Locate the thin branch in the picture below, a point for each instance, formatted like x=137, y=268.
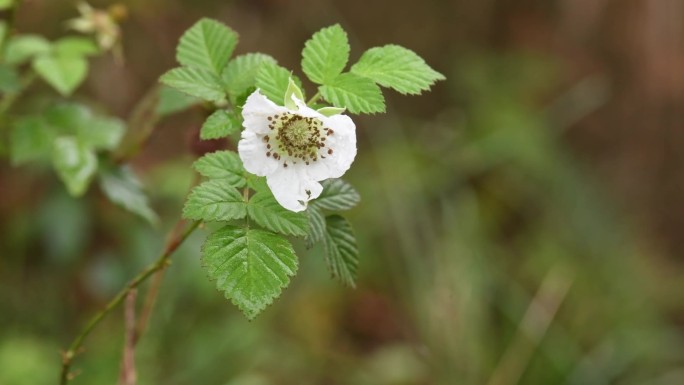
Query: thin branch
x=159, y=264
x=128, y=375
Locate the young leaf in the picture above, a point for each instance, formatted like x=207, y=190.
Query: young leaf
x=250, y=266
x=75, y=164
x=222, y=165
x=292, y=90
x=171, y=101
x=397, y=68
x=337, y=195
x=219, y=125
x=341, y=252
x=30, y=139
x=215, y=200
x=355, y=93
x=22, y=48
x=76, y=46
x=207, y=45
x=267, y=212
x=63, y=73
x=195, y=82
x=325, y=54
x=240, y=74
x=273, y=80
x=316, y=231
x=123, y=189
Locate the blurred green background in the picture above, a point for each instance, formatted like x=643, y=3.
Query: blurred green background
x=521, y=224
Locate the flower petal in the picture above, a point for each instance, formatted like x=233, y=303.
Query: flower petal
x=256, y=111
x=293, y=188
x=252, y=151
x=339, y=152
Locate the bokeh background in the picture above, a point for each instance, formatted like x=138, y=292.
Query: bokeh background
x=520, y=224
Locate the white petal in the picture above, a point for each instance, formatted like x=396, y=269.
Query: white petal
x=252, y=151
x=256, y=111
x=343, y=144
x=290, y=186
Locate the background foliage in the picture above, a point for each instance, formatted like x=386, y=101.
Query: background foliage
x=521, y=224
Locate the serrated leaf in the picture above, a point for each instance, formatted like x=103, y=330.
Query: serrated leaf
x=222, y=165
x=30, y=139
x=337, y=195
x=341, y=252
x=171, y=101
x=316, y=231
x=215, y=200
x=251, y=267
x=257, y=183
x=195, y=82
x=219, y=125
x=355, y=93
x=75, y=164
x=123, y=188
x=398, y=68
x=240, y=73
x=325, y=54
x=207, y=45
x=76, y=46
x=273, y=80
x=23, y=48
x=268, y=213
x=63, y=73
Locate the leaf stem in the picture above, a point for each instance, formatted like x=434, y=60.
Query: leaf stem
x=314, y=98
x=160, y=263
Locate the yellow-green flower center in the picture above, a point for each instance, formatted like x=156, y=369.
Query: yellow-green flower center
x=296, y=138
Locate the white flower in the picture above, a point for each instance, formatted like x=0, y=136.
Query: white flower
x=294, y=148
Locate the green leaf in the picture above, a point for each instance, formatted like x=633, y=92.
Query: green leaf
x=331, y=111
x=5, y=4
x=63, y=73
x=123, y=189
x=30, y=139
x=171, y=101
x=207, y=45
x=215, y=200
x=250, y=266
x=355, y=93
x=195, y=82
x=337, y=195
x=219, y=125
x=240, y=74
x=398, y=68
x=75, y=164
x=316, y=231
x=9, y=80
x=268, y=213
x=98, y=132
x=325, y=54
x=76, y=46
x=341, y=252
x=273, y=80
x=222, y=165
x=292, y=89
x=23, y=48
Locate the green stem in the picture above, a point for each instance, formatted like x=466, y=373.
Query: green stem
x=159, y=264
x=314, y=98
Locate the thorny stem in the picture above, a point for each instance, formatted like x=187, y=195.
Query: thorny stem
x=159, y=264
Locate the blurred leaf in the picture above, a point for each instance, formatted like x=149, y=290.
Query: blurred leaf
x=3, y=34
x=75, y=46
x=63, y=73
x=172, y=101
x=218, y=125
x=273, y=80
x=355, y=93
x=207, y=45
x=215, y=200
x=397, y=68
x=5, y=4
x=240, y=74
x=30, y=139
x=64, y=239
x=268, y=213
x=98, y=132
x=341, y=252
x=195, y=82
x=250, y=266
x=22, y=48
x=9, y=80
x=122, y=187
x=325, y=54
x=75, y=163
x=18, y=357
x=337, y=195
x=222, y=165
x=316, y=228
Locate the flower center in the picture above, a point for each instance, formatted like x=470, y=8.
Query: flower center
x=297, y=132
x=296, y=138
